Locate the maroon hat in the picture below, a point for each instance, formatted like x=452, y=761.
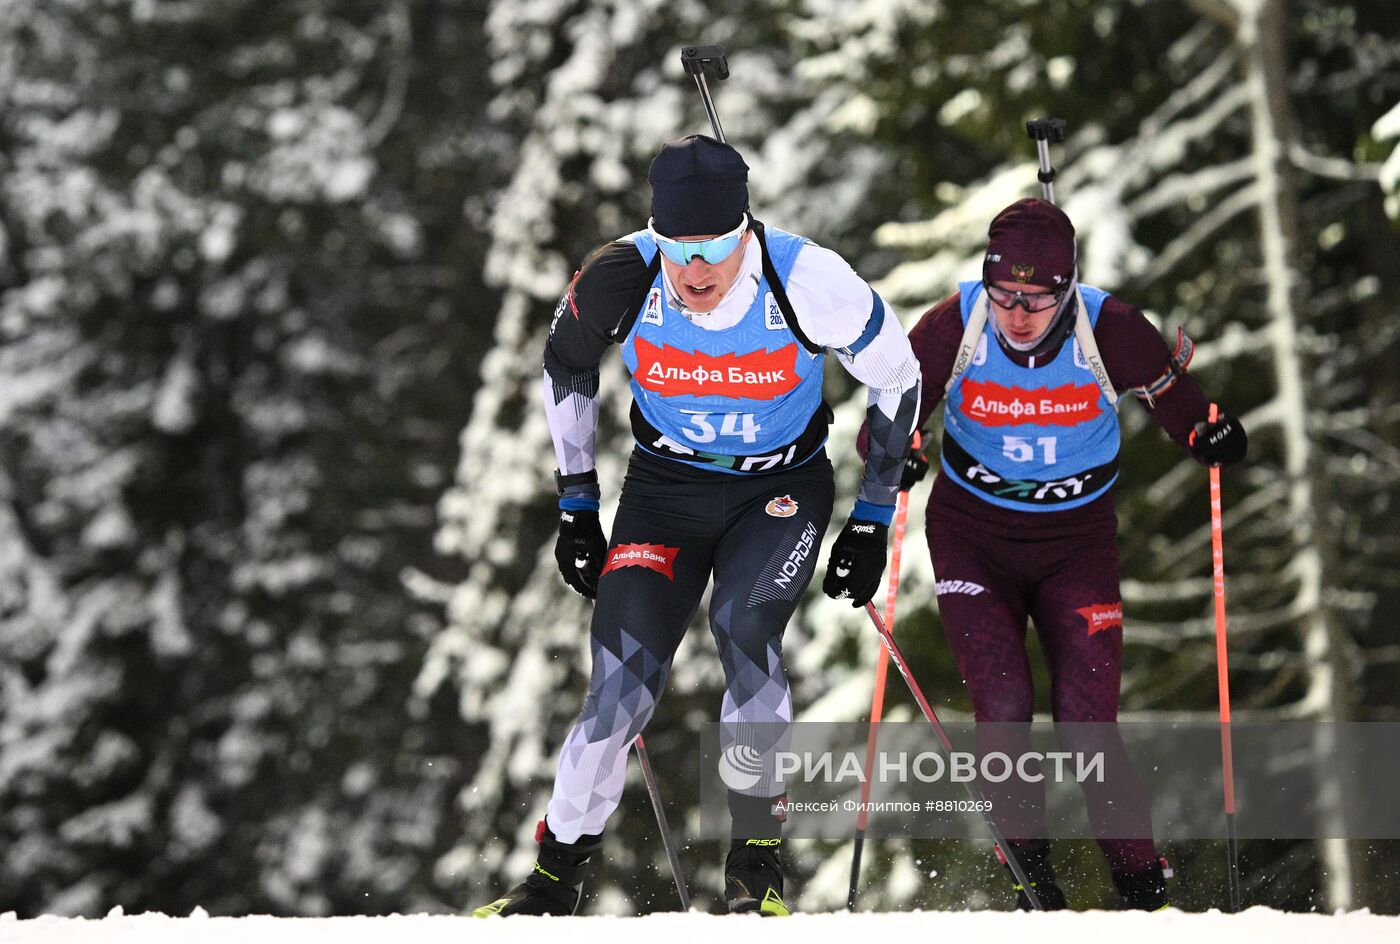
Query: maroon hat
x=1031, y=241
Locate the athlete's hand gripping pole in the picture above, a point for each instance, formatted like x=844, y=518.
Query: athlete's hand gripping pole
x=655, y=793
x=1222, y=667
x=701, y=61
x=877, y=699
x=973, y=791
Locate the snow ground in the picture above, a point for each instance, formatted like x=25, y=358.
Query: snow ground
x=964, y=927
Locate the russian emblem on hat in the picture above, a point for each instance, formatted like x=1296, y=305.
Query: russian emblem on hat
x=1030, y=241
x=784, y=507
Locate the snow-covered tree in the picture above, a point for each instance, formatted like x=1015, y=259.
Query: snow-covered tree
x=232, y=359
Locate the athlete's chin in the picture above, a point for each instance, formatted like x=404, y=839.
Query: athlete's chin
x=703, y=301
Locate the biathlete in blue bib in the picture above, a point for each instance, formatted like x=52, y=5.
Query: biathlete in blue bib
x=724, y=326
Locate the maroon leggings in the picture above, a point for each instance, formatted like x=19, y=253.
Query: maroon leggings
x=995, y=568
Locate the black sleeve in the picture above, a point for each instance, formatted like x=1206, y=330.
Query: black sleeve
x=594, y=302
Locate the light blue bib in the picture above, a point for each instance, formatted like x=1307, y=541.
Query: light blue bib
x=741, y=392
x=1033, y=439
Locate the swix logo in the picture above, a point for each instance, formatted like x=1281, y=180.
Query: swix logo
x=1101, y=616
x=651, y=556
x=944, y=587
x=761, y=375
x=992, y=404
x=862, y=529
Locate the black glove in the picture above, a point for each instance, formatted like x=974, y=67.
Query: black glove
x=580, y=550
x=1220, y=443
x=857, y=562
x=915, y=468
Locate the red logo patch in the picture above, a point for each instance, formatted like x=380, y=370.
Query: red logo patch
x=651, y=556
x=992, y=404
x=762, y=375
x=1101, y=616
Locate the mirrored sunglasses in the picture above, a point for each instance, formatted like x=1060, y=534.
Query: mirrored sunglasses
x=713, y=251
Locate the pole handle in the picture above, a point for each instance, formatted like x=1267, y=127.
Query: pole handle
x=1044, y=131
x=706, y=60
x=703, y=61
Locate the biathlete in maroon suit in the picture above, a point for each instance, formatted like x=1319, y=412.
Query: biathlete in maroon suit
x=1021, y=522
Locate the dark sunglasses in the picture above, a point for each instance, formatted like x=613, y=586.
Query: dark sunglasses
x=1031, y=301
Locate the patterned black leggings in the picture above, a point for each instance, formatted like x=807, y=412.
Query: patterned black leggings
x=759, y=536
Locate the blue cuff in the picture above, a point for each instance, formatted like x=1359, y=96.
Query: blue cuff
x=869, y=511
x=872, y=327
x=578, y=503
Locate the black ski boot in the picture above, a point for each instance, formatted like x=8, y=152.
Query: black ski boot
x=1145, y=890
x=553, y=888
x=753, y=877
x=1034, y=857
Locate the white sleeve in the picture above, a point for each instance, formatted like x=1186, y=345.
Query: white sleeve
x=832, y=303
x=839, y=311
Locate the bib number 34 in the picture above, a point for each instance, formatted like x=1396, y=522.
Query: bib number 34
x=702, y=430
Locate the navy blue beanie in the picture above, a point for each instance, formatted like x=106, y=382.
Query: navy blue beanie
x=699, y=187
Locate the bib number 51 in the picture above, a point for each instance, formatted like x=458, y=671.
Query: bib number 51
x=1019, y=448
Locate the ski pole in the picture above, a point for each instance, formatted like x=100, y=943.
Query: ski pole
x=701, y=61
x=973, y=792
x=877, y=699
x=652, y=791
x=1222, y=666
x=1043, y=131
